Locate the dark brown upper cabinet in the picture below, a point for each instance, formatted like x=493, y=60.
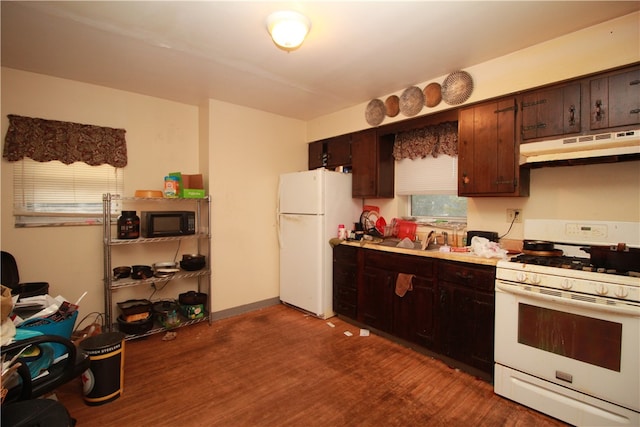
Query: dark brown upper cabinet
x=330, y=153
x=615, y=99
x=372, y=164
x=488, y=151
x=551, y=112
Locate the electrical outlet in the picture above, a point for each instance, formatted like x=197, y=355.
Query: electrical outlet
x=514, y=213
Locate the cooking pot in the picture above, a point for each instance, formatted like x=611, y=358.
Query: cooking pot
x=142, y=272
x=619, y=258
x=192, y=262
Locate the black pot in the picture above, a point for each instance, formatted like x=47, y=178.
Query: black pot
x=537, y=245
x=135, y=328
x=619, y=258
x=142, y=272
x=192, y=298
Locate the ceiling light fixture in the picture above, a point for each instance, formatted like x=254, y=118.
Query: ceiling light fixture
x=288, y=29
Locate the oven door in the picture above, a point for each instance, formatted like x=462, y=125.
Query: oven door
x=587, y=347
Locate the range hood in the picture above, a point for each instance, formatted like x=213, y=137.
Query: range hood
x=588, y=148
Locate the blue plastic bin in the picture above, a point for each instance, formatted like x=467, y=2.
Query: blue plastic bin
x=47, y=326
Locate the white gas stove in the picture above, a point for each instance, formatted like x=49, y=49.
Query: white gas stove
x=567, y=336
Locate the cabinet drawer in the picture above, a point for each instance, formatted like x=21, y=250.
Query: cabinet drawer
x=409, y=264
x=473, y=276
x=345, y=254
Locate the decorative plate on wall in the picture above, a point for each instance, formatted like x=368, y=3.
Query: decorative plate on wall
x=392, y=105
x=411, y=101
x=375, y=111
x=432, y=95
x=457, y=87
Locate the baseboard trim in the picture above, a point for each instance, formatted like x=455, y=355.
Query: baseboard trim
x=242, y=309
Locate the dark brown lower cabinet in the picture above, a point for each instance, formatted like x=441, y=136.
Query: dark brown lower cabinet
x=449, y=311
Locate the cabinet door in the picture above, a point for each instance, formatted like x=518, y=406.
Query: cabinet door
x=487, y=163
x=338, y=151
x=615, y=100
x=551, y=112
x=481, y=332
x=414, y=314
x=372, y=165
x=345, y=271
x=377, y=298
x=316, y=155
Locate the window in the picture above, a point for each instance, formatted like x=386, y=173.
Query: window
x=431, y=184
x=438, y=206
x=52, y=193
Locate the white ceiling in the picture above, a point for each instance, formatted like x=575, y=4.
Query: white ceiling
x=356, y=51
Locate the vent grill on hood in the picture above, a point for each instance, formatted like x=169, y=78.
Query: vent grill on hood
x=603, y=145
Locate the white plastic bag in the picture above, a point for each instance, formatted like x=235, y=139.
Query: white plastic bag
x=486, y=248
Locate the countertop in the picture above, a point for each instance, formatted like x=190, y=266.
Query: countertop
x=432, y=253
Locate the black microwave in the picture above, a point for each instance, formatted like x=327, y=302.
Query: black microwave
x=167, y=223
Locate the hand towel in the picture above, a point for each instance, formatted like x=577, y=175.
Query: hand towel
x=404, y=284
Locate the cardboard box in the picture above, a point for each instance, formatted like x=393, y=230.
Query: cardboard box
x=191, y=186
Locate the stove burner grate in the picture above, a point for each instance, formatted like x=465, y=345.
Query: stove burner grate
x=566, y=262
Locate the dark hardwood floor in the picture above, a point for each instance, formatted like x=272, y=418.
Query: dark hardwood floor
x=280, y=367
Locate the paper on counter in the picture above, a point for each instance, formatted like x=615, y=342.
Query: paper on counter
x=364, y=332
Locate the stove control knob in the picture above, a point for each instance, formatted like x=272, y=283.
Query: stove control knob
x=621, y=292
x=521, y=276
x=566, y=284
x=601, y=289
x=535, y=279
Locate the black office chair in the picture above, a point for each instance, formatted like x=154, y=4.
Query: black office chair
x=11, y=279
x=21, y=406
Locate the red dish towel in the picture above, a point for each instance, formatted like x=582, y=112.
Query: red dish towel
x=404, y=284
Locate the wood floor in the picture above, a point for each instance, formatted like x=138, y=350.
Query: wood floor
x=280, y=367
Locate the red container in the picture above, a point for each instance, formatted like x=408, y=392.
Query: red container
x=406, y=229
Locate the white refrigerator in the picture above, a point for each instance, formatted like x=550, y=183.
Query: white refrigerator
x=311, y=205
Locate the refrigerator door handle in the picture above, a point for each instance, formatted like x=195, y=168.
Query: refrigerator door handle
x=278, y=214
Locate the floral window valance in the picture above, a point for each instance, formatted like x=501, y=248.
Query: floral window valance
x=427, y=141
x=46, y=140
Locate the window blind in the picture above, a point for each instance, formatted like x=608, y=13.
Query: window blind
x=57, y=191
x=429, y=175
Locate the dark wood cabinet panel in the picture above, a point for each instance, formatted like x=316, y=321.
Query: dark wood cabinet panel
x=330, y=153
x=450, y=309
x=551, y=112
x=414, y=314
x=372, y=165
x=316, y=155
x=345, y=280
x=377, y=299
x=487, y=151
x=338, y=151
x=615, y=100
x=466, y=313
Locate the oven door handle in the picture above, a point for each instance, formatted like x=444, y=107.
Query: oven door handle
x=617, y=309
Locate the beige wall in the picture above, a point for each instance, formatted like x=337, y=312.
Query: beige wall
x=162, y=136
x=585, y=192
x=248, y=150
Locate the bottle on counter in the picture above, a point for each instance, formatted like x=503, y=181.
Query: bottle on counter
x=342, y=232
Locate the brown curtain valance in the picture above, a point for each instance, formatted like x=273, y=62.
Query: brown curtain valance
x=427, y=141
x=46, y=140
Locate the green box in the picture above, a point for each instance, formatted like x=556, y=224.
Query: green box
x=192, y=193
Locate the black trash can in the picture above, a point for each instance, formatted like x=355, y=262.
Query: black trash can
x=103, y=381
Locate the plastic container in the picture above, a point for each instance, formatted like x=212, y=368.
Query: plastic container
x=406, y=229
x=342, y=232
x=104, y=380
x=128, y=225
x=47, y=326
